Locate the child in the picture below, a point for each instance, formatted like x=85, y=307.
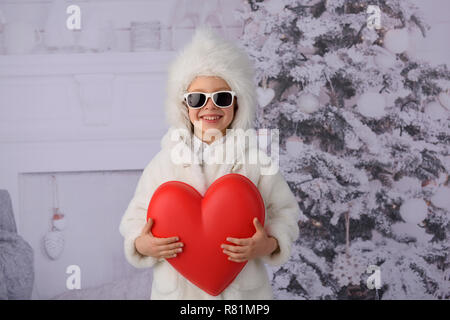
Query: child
x=198, y=128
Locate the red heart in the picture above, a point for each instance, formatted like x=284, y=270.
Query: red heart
x=203, y=223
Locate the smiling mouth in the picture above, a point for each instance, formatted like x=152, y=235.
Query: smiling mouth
x=211, y=118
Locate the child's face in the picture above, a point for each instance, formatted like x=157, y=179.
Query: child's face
x=209, y=84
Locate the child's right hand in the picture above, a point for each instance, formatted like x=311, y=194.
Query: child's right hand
x=148, y=245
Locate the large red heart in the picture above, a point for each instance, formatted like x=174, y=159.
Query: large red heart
x=203, y=223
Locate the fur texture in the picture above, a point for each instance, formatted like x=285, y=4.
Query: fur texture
x=209, y=54
x=282, y=215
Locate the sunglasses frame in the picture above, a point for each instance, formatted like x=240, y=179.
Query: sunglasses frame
x=210, y=95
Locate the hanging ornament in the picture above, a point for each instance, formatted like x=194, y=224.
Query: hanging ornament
x=441, y=198
x=396, y=40
x=58, y=220
x=435, y=111
x=54, y=244
x=265, y=95
x=444, y=99
x=348, y=269
x=371, y=104
x=408, y=230
x=308, y=103
x=408, y=184
x=294, y=146
x=54, y=239
x=414, y=210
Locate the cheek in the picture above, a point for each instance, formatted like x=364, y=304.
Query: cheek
x=193, y=114
x=229, y=115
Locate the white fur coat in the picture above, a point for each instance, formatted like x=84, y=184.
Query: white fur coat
x=209, y=54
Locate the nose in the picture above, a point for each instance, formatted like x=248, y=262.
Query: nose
x=210, y=103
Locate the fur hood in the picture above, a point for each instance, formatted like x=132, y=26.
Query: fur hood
x=210, y=54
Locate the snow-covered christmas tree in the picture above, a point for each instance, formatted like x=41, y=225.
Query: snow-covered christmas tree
x=364, y=133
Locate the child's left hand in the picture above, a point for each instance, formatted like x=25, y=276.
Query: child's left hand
x=260, y=244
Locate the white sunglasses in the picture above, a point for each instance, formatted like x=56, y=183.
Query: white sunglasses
x=222, y=99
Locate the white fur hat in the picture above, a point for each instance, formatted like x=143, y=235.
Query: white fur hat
x=210, y=54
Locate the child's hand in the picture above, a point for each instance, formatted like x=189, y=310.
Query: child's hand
x=260, y=244
x=148, y=245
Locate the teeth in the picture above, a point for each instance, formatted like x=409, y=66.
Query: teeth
x=212, y=118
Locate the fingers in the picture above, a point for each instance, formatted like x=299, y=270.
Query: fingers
x=167, y=248
x=147, y=227
x=236, y=257
x=170, y=253
x=235, y=253
x=237, y=260
x=163, y=241
x=258, y=225
x=238, y=253
x=242, y=242
x=171, y=246
x=233, y=248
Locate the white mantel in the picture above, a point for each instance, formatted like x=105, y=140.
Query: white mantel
x=79, y=63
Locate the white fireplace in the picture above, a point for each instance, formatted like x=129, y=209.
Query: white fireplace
x=93, y=203
x=92, y=121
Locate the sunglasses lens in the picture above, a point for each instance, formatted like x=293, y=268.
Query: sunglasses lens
x=196, y=100
x=223, y=99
